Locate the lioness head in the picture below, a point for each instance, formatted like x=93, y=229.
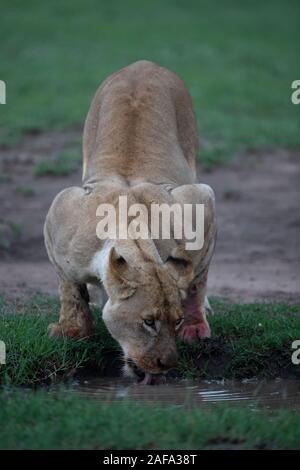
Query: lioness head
x=144, y=310
x=146, y=284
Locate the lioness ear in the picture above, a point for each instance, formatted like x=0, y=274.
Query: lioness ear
x=194, y=194
x=199, y=194
x=118, y=282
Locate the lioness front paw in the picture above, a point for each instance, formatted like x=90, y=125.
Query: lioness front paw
x=194, y=332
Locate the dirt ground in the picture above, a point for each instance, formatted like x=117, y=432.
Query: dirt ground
x=257, y=255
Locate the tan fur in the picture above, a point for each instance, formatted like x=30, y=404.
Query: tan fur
x=140, y=140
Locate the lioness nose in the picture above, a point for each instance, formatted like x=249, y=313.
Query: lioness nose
x=168, y=361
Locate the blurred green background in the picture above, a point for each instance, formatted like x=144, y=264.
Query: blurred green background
x=238, y=59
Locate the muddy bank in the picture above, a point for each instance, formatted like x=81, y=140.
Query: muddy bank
x=257, y=202
x=257, y=255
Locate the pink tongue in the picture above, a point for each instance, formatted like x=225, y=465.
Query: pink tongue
x=151, y=379
x=147, y=379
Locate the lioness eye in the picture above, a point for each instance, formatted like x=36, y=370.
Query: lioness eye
x=150, y=322
x=179, y=321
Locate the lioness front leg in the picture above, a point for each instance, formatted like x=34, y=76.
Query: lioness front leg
x=195, y=324
x=195, y=305
x=75, y=318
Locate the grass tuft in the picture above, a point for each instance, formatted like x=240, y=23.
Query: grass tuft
x=62, y=165
x=34, y=358
x=25, y=191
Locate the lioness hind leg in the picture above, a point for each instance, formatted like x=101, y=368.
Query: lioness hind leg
x=195, y=306
x=75, y=318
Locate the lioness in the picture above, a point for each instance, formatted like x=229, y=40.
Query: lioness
x=140, y=140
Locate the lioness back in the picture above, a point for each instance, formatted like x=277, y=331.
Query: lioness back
x=141, y=124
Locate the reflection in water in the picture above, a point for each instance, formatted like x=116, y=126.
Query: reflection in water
x=268, y=394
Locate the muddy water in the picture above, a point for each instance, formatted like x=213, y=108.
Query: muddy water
x=267, y=394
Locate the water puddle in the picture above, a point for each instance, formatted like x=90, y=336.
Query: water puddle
x=253, y=393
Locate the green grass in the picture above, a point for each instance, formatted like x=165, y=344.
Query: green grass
x=16, y=228
x=237, y=58
x=34, y=358
x=25, y=191
x=9, y=231
x=5, y=177
x=62, y=165
x=248, y=340
x=42, y=421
